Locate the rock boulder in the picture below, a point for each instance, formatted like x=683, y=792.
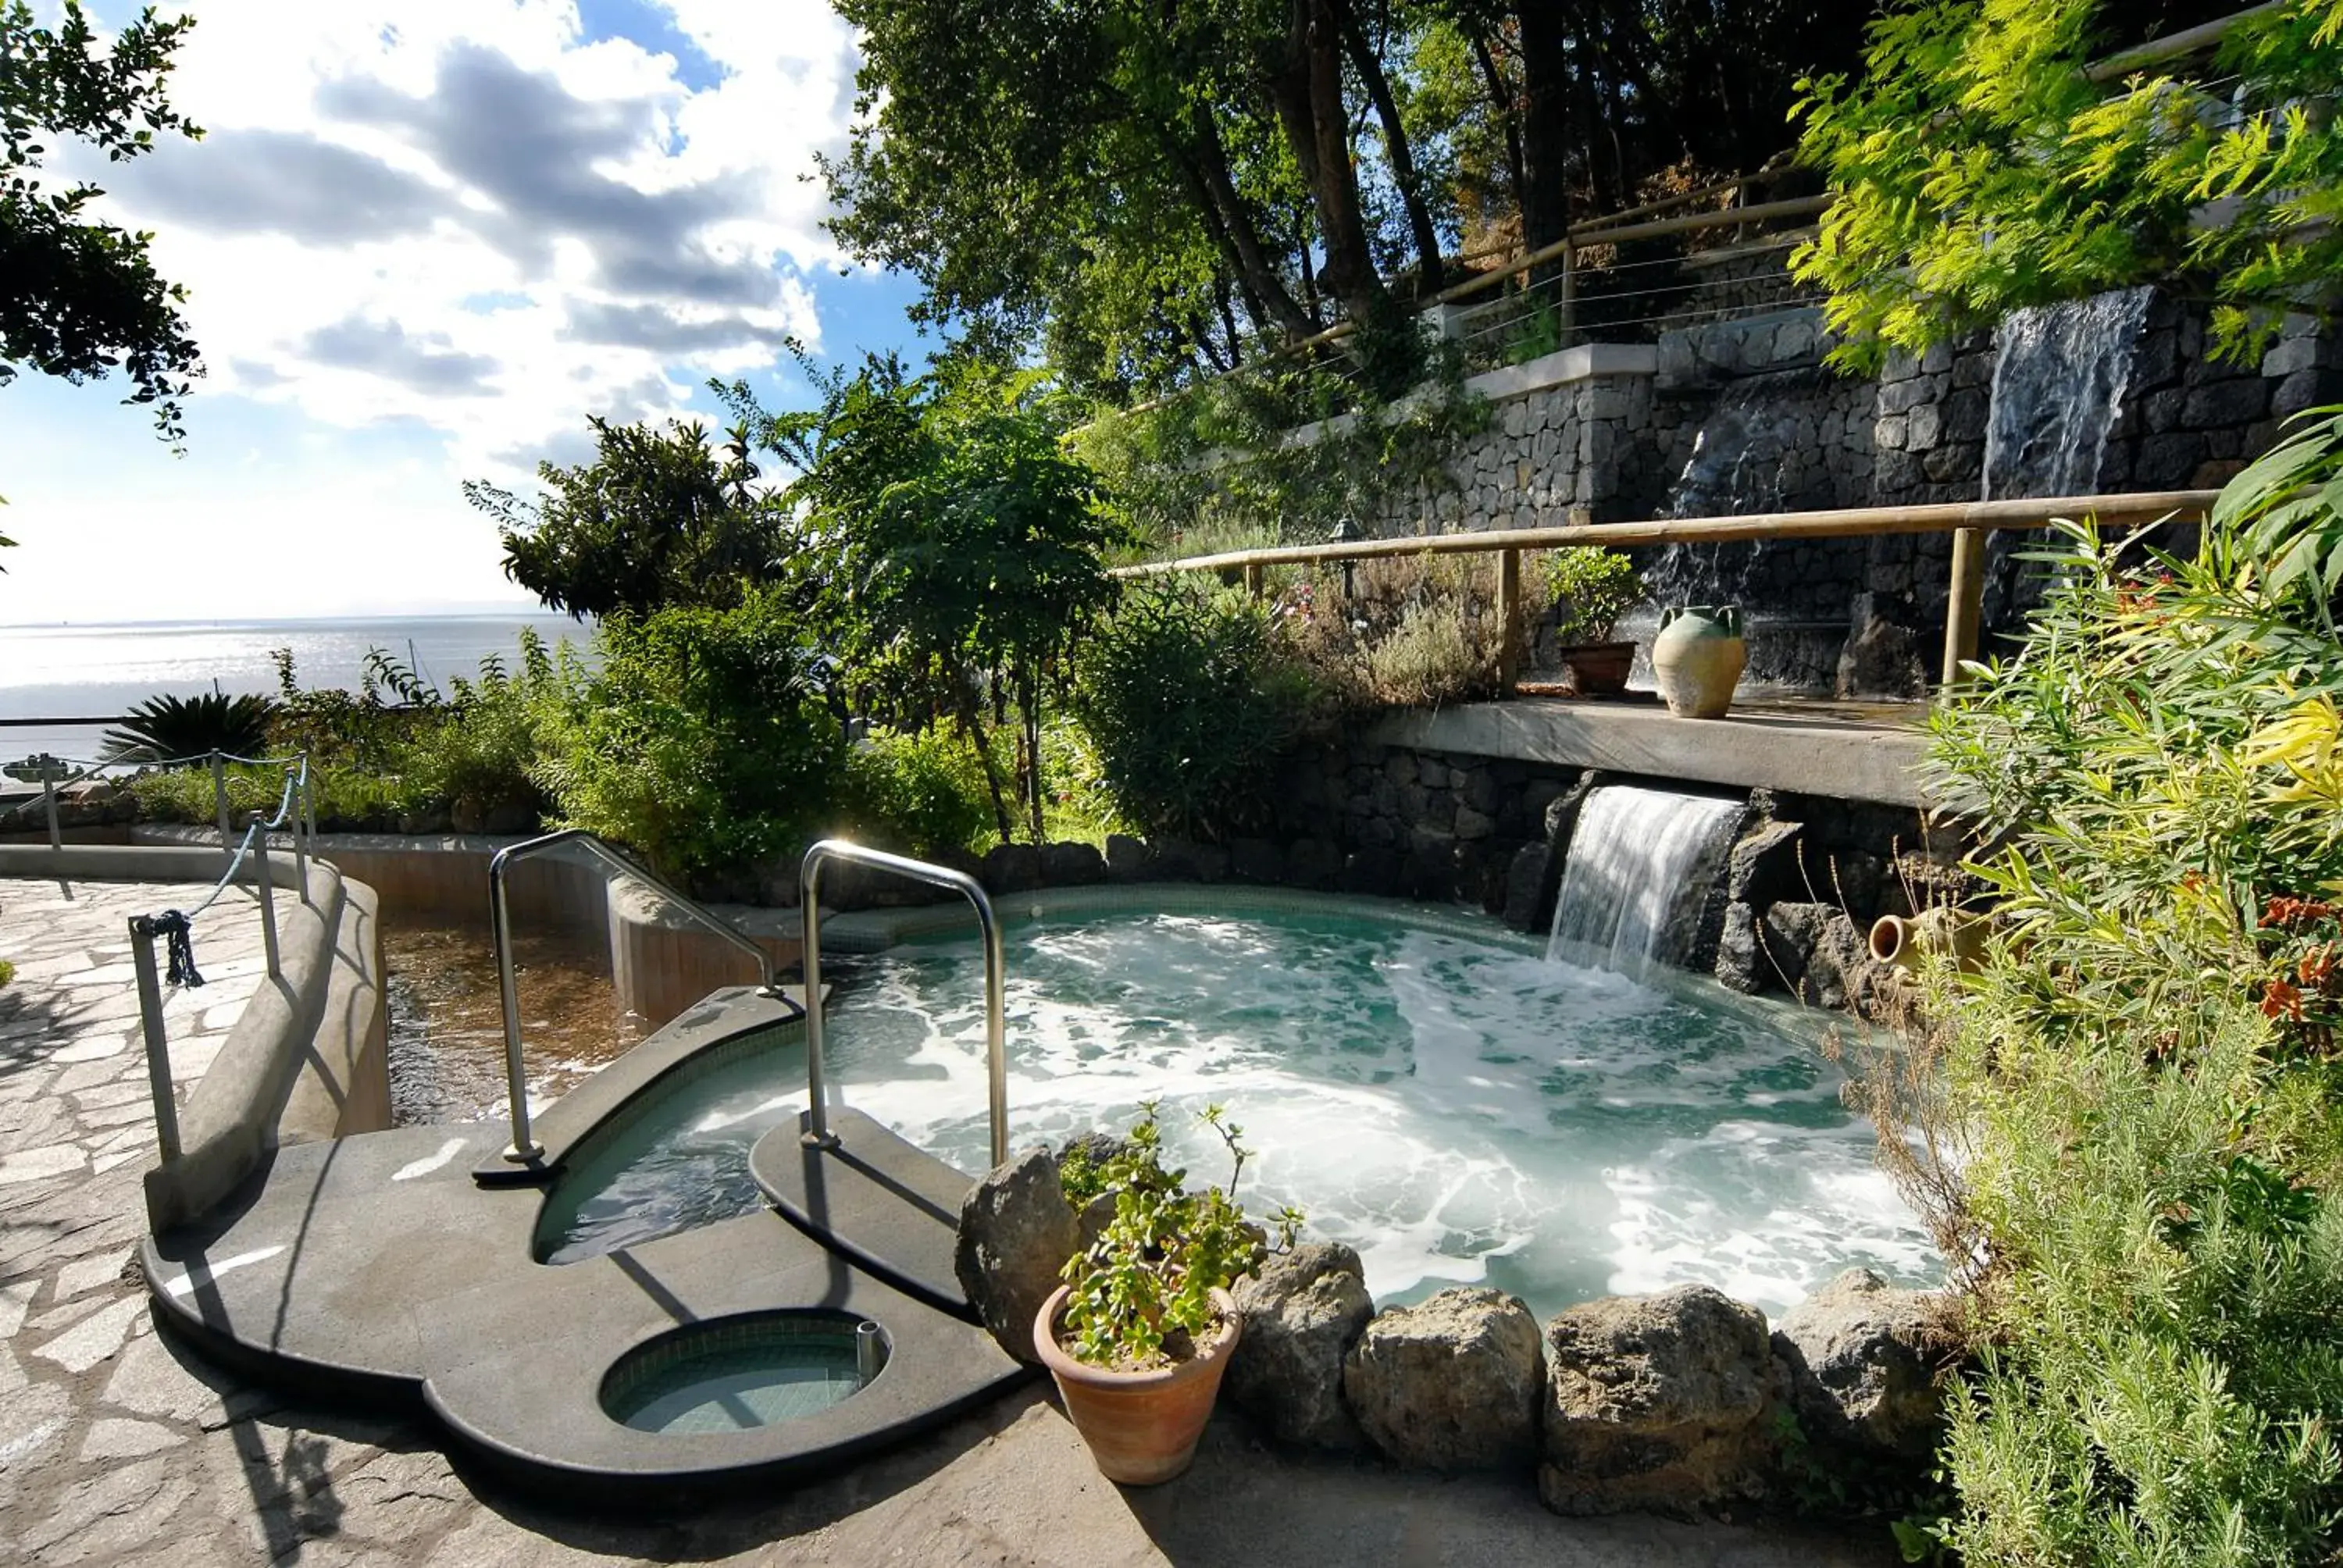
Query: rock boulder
x=1304, y=1310
x=1862, y=1357
x=1659, y=1403
x=1016, y=1232
x=1451, y=1383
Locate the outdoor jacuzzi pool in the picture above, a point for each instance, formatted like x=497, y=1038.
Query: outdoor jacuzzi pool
x=1424, y=1086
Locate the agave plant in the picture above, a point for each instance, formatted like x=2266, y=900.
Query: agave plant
x=187, y=729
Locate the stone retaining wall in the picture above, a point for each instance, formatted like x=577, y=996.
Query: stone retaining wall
x=1608, y=433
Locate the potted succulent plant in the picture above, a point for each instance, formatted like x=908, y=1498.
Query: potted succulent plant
x=1591, y=588
x=1138, y=1337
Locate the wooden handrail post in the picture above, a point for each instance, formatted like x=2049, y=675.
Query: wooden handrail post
x=1509, y=612
x=1965, y=608
x=1568, y=308
x=1252, y=579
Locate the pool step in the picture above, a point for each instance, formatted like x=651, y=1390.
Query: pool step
x=892, y=1209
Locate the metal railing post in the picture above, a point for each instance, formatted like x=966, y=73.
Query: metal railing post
x=1567, y=306
x=258, y=829
x=219, y=803
x=996, y=1018
x=300, y=826
x=525, y=1149
x=1965, y=607
x=150, y=1023
x=49, y=804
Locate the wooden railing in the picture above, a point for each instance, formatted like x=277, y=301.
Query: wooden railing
x=1968, y=522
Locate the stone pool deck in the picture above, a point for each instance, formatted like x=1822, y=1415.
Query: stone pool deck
x=118, y=1445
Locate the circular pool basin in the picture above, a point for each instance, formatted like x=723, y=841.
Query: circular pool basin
x=736, y=1374
x=1426, y=1087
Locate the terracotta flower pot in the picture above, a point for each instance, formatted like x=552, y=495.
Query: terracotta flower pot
x=1597, y=669
x=1141, y=1427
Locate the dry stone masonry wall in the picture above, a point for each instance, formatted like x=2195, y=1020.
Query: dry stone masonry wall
x=1743, y=416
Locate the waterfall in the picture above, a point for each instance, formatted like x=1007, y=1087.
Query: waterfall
x=1761, y=449
x=1640, y=865
x=2058, y=380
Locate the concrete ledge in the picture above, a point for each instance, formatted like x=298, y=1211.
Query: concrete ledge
x=231, y=1116
x=1810, y=756
x=343, y=1082
x=136, y=863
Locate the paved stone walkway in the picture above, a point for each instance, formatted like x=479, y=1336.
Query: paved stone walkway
x=118, y=1445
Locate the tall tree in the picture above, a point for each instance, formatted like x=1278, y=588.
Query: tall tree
x=80, y=297
x=656, y=519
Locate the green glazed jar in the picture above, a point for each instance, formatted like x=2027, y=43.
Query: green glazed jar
x=1697, y=659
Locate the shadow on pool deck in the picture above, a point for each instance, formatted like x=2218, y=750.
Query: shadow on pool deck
x=1012, y=1485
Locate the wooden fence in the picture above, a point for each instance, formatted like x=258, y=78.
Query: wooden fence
x=1968, y=522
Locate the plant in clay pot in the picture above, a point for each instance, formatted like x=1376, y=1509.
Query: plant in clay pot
x=1138, y=1337
x=1591, y=588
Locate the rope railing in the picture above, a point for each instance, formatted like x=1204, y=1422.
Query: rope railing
x=295, y=809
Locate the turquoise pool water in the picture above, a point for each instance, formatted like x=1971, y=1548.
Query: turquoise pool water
x=1446, y=1100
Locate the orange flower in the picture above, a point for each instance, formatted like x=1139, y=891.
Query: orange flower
x=2280, y=1000
x=2317, y=966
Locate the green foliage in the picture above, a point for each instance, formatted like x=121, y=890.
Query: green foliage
x=920, y=790
x=1217, y=456
x=479, y=755
x=704, y=740
x=975, y=542
x=7, y=971
x=80, y=297
x=184, y=731
x=656, y=518
x=1141, y=1295
x=1595, y=587
x=1190, y=705
x=1978, y=169
x=2144, y=1070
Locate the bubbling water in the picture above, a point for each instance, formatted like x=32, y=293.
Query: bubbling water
x=1460, y=1110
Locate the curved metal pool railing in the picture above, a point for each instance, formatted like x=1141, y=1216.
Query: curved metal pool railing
x=996, y=1054
x=524, y=1149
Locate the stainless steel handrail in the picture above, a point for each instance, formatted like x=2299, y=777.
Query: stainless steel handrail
x=523, y=1148
x=996, y=1054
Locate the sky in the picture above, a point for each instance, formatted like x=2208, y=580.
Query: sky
x=423, y=241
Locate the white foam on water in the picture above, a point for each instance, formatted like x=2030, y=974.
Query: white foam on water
x=1457, y=1111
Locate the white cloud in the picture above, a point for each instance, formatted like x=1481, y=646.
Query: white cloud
x=463, y=214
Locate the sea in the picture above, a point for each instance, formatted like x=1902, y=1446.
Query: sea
x=81, y=672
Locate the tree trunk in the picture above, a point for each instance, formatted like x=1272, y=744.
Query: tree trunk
x=1403, y=158
x=1211, y=167
x=1545, y=124
x=1308, y=91
x=1502, y=96
x=971, y=724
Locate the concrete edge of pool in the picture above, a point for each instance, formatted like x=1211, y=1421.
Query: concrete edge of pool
x=378, y=1268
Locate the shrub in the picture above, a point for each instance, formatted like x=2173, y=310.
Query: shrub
x=1593, y=587
x=1184, y=693
x=2142, y=1073
x=478, y=755
x=923, y=791
x=1440, y=652
x=1142, y=1294
x=704, y=740
x=186, y=728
